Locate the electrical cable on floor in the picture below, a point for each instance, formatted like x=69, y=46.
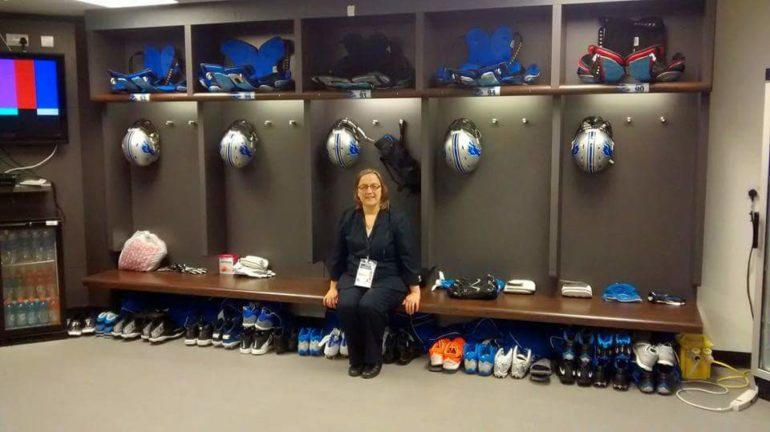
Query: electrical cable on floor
x=748, y=289
x=723, y=389
x=39, y=164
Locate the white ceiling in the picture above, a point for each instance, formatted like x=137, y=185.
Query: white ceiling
x=55, y=7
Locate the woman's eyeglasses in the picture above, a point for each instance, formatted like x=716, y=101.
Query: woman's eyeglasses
x=374, y=187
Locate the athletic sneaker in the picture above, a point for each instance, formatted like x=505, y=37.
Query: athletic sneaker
x=470, y=358
x=133, y=328
x=109, y=322
x=89, y=325
x=191, y=331
x=292, y=340
x=453, y=355
x=314, y=346
x=436, y=353
x=585, y=373
x=343, y=346
x=280, y=340
x=388, y=346
x=541, y=371
x=486, y=355
x=621, y=378
x=666, y=369
x=406, y=347
x=165, y=330
x=123, y=319
x=75, y=327
x=100, y=322
x=645, y=356
x=303, y=341
x=603, y=360
x=218, y=328
x=250, y=315
x=568, y=349
x=268, y=319
x=247, y=340
x=231, y=335
x=205, y=334
x=263, y=342
x=566, y=371
x=521, y=363
x=503, y=361
x=646, y=382
x=585, y=342
x=331, y=344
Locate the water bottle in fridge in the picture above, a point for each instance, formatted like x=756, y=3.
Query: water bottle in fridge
x=21, y=313
x=25, y=246
x=12, y=249
x=49, y=242
x=53, y=310
x=42, y=311
x=10, y=314
x=31, y=312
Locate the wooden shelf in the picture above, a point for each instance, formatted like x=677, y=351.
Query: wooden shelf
x=538, y=307
x=671, y=87
x=523, y=90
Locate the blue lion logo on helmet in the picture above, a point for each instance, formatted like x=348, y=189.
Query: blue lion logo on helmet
x=354, y=148
x=575, y=148
x=606, y=149
x=245, y=151
x=146, y=148
x=474, y=150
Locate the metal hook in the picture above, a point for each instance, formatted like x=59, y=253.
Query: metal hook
x=524, y=121
x=628, y=120
x=663, y=119
x=268, y=123
x=375, y=122
x=169, y=123
x=293, y=123
x=495, y=122
x=192, y=123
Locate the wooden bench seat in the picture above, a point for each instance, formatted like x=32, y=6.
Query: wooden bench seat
x=537, y=307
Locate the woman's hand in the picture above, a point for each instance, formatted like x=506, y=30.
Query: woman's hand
x=412, y=301
x=331, y=297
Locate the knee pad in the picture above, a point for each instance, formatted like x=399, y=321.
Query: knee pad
x=649, y=65
x=601, y=65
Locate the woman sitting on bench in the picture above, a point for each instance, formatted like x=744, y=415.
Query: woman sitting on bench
x=374, y=268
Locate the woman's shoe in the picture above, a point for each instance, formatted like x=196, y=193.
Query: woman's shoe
x=355, y=370
x=371, y=371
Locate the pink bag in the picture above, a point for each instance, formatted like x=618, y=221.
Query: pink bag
x=142, y=252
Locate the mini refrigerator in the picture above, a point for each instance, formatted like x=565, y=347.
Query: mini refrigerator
x=31, y=275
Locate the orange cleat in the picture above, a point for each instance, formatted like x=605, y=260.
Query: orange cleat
x=453, y=355
x=437, y=354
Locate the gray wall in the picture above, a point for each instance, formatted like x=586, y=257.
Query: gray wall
x=65, y=169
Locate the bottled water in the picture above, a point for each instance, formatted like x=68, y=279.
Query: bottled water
x=48, y=237
x=42, y=312
x=29, y=306
x=21, y=314
x=25, y=246
x=11, y=250
x=38, y=245
x=10, y=314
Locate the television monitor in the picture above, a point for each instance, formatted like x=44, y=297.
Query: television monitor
x=33, y=109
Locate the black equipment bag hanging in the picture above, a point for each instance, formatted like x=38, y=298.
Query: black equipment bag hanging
x=401, y=166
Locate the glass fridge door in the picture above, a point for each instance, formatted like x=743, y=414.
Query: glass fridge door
x=30, y=277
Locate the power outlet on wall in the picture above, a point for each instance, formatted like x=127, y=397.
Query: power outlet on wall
x=14, y=39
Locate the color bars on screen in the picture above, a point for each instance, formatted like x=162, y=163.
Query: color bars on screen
x=28, y=85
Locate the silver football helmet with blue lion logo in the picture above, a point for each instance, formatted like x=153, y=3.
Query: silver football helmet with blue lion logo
x=239, y=144
x=141, y=144
x=462, y=147
x=592, y=147
x=343, y=145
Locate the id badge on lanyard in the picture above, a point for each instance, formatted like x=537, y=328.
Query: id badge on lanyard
x=365, y=274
